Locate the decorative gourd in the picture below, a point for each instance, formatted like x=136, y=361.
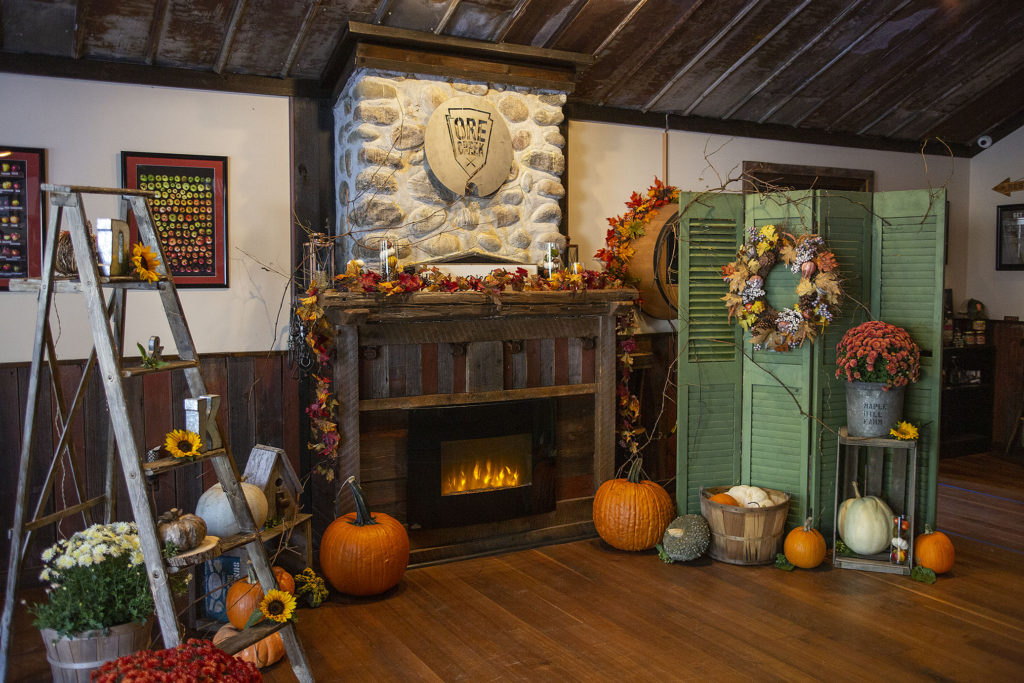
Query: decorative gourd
x=686, y=538
x=934, y=550
x=750, y=496
x=804, y=546
x=243, y=599
x=363, y=553
x=184, y=530
x=261, y=653
x=213, y=507
x=865, y=523
x=724, y=499
x=285, y=581
x=630, y=514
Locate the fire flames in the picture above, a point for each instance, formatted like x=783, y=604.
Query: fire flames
x=482, y=476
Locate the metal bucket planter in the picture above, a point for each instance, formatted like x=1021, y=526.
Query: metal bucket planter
x=72, y=659
x=871, y=410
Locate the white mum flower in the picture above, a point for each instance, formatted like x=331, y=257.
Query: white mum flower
x=48, y=554
x=65, y=562
x=135, y=558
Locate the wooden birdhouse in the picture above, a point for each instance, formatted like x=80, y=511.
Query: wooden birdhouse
x=269, y=469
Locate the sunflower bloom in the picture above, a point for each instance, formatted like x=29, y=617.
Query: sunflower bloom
x=278, y=605
x=183, y=444
x=904, y=431
x=146, y=263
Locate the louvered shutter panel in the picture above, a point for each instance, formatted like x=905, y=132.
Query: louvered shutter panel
x=907, y=262
x=708, y=427
x=777, y=385
x=845, y=223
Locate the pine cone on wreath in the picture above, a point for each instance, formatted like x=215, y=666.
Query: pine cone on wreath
x=65, y=258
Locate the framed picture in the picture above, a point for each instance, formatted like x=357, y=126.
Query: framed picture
x=1010, y=237
x=22, y=213
x=190, y=213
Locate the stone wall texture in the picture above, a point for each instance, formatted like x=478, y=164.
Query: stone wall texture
x=386, y=189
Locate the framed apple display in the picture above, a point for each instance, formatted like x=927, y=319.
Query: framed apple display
x=22, y=170
x=189, y=212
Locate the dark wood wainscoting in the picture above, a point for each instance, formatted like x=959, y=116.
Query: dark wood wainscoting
x=260, y=404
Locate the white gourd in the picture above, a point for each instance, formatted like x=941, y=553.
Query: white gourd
x=214, y=509
x=750, y=496
x=865, y=523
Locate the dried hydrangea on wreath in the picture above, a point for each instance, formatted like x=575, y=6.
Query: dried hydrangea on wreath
x=818, y=291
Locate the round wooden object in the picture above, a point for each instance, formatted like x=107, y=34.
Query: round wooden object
x=208, y=549
x=643, y=266
x=742, y=535
x=468, y=146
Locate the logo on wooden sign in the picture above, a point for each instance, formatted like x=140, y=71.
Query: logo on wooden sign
x=468, y=146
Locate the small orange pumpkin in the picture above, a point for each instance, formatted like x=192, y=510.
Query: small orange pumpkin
x=243, y=599
x=804, y=546
x=934, y=550
x=363, y=553
x=724, y=499
x=261, y=653
x=630, y=514
x=285, y=581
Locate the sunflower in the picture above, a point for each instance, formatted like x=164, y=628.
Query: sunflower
x=183, y=444
x=278, y=605
x=904, y=431
x=145, y=262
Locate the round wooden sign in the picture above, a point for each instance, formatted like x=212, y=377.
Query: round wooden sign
x=468, y=146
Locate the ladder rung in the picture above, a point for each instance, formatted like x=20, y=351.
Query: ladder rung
x=166, y=366
x=74, y=285
x=165, y=464
x=61, y=514
x=208, y=552
x=250, y=635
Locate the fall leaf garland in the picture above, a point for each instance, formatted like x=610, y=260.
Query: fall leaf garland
x=819, y=290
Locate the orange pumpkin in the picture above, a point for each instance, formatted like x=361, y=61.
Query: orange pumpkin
x=934, y=550
x=724, y=499
x=261, y=653
x=243, y=599
x=804, y=546
x=285, y=581
x=630, y=514
x=363, y=553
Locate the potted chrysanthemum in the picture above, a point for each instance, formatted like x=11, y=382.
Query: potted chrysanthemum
x=98, y=591
x=878, y=361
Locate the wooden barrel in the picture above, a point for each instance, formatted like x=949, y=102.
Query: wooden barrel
x=72, y=659
x=651, y=265
x=742, y=535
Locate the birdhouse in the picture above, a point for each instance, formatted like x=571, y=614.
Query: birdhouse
x=269, y=469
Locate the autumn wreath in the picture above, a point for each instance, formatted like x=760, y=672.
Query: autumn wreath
x=818, y=291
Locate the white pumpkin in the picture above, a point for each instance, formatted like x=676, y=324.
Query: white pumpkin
x=214, y=509
x=750, y=496
x=865, y=523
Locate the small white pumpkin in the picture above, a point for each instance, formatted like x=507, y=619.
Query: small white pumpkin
x=750, y=496
x=214, y=509
x=865, y=523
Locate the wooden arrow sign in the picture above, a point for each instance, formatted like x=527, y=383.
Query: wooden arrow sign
x=1006, y=187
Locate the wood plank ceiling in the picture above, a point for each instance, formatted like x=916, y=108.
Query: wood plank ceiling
x=887, y=74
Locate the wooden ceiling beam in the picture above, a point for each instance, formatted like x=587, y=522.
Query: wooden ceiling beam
x=300, y=37
x=706, y=48
x=156, y=29
x=229, y=36
x=443, y=21
x=570, y=16
x=81, y=10
x=499, y=35
x=619, y=28
x=767, y=131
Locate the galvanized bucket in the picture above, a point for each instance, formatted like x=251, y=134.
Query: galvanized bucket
x=871, y=410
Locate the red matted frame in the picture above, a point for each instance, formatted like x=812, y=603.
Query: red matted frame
x=22, y=213
x=190, y=213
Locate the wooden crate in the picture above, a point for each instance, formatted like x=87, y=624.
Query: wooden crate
x=882, y=467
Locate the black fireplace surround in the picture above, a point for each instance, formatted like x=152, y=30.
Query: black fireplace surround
x=440, y=439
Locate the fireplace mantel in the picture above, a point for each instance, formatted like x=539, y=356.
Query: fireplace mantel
x=424, y=349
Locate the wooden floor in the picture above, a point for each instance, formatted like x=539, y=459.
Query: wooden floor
x=583, y=611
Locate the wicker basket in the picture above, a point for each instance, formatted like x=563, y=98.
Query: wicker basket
x=741, y=535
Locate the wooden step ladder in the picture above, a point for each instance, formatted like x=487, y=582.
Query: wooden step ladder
x=106, y=319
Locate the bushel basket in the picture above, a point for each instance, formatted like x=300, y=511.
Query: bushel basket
x=744, y=535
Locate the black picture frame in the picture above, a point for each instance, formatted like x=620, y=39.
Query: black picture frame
x=1010, y=237
x=190, y=215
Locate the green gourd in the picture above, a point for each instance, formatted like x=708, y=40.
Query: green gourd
x=685, y=539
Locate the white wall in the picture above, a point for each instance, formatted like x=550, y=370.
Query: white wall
x=84, y=125
x=1002, y=291
x=609, y=161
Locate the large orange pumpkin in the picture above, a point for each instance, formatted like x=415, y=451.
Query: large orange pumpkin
x=363, y=553
x=804, y=546
x=934, y=550
x=261, y=653
x=244, y=595
x=630, y=514
x=285, y=581
x=724, y=499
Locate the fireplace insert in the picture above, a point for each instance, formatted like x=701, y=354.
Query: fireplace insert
x=480, y=463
